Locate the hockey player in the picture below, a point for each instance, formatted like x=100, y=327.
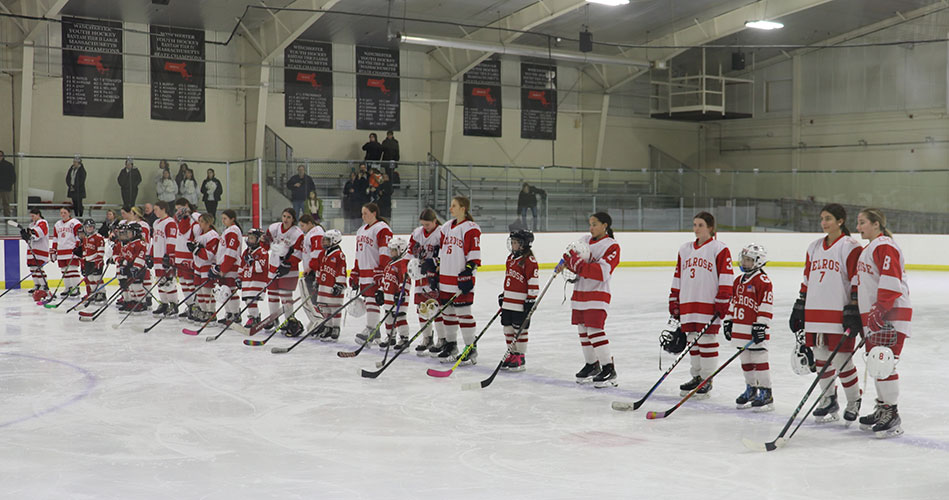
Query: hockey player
x=93, y=260
x=331, y=283
x=372, y=255
x=36, y=237
x=518, y=297
x=394, y=294
x=312, y=253
x=827, y=307
x=749, y=317
x=188, y=230
x=423, y=245
x=701, y=288
x=459, y=258
x=163, y=249
x=204, y=248
x=284, y=242
x=132, y=268
x=593, y=259
x=226, y=270
x=67, y=250
x=886, y=312
x=254, y=274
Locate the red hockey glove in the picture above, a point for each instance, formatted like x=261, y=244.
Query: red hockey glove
x=574, y=262
x=875, y=321
x=674, y=306
x=721, y=306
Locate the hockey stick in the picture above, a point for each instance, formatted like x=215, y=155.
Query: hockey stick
x=369, y=374
x=229, y=324
x=15, y=288
x=192, y=294
x=653, y=415
x=95, y=315
x=15, y=224
x=627, y=406
x=81, y=301
x=61, y=281
x=138, y=303
x=486, y=382
x=780, y=440
x=395, y=319
x=92, y=294
x=188, y=331
x=264, y=322
x=284, y=350
x=369, y=338
x=431, y=372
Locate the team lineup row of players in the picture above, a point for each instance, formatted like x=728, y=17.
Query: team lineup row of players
x=840, y=277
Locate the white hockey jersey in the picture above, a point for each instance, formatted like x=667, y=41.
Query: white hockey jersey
x=372, y=251
x=460, y=244
x=703, y=273
x=828, y=279
x=592, y=289
x=39, y=240
x=881, y=279
x=312, y=249
x=289, y=242
x=66, y=238
x=424, y=246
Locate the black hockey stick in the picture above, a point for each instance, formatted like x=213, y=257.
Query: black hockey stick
x=98, y=312
x=627, y=406
x=486, y=382
x=431, y=372
x=653, y=415
x=395, y=319
x=188, y=331
x=62, y=280
x=227, y=325
x=92, y=294
x=369, y=374
x=781, y=440
x=369, y=338
x=138, y=303
x=284, y=350
x=192, y=294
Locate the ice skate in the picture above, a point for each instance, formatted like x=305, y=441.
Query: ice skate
x=852, y=411
x=687, y=387
x=449, y=352
x=744, y=400
x=587, y=373
x=888, y=423
x=763, y=401
x=606, y=377
x=517, y=363
x=827, y=410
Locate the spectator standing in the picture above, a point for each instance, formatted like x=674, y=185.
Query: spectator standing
x=162, y=167
x=188, y=187
x=362, y=186
x=166, y=189
x=182, y=168
x=211, y=191
x=527, y=199
x=349, y=201
x=106, y=228
x=149, y=215
x=384, y=197
x=129, y=179
x=76, y=185
x=7, y=180
x=300, y=186
x=372, y=148
x=390, y=153
x=314, y=207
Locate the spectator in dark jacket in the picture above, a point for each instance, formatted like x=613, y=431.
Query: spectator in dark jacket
x=182, y=168
x=390, y=155
x=7, y=180
x=149, y=214
x=527, y=199
x=372, y=148
x=211, y=191
x=129, y=179
x=349, y=200
x=76, y=185
x=106, y=228
x=384, y=197
x=300, y=186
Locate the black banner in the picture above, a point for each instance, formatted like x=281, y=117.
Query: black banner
x=377, y=89
x=482, y=101
x=308, y=85
x=177, y=74
x=538, y=102
x=92, y=68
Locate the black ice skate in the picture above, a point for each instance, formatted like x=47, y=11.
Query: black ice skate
x=704, y=392
x=868, y=421
x=744, y=401
x=827, y=410
x=606, y=377
x=587, y=372
x=763, y=401
x=888, y=423
x=517, y=363
x=852, y=411
x=687, y=387
x=449, y=352
x=424, y=345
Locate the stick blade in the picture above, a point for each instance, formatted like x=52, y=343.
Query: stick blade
x=12, y=222
x=254, y=343
x=622, y=406
x=188, y=331
x=369, y=374
x=654, y=415
x=115, y=326
x=346, y=354
x=471, y=386
x=769, y=446
x=210, y=338
x=431, y=372
x=279, y=350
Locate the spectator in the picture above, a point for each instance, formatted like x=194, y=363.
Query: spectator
x=162, y=167
x=390, y=154
x=384, y=197
x=129, y=179
x=188, y=187
x=527, y=199
x=7, y=180
x=300, y=186
x=349, y=200
x=372, y=148
x=182, y=168
x=362, y=186
x=76, y=185
x=106, y=228
x=149, y=215
x=167, y=190
x=314, y=207
x=211, y=191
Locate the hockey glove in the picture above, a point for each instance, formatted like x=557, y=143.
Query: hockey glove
x=433, y=282
x=380, y=298
x=77, y=251
x=574, y=262
x=149, y=261
x=214, y=273
x=429, y=266
x=88, y=268
x=283, y=269
x=674, y=306
x=337, y=290
x=25, y=234
x=727, y=329
x=248, y=259
x=852, y=319
x=528, y=305
x=354, y=280
x=721, y=305
x=758, y=332
x=166, y=261
x=796, y=323
x=310, y=279
x=192, y=246
x=500, y=300
x=875, y=321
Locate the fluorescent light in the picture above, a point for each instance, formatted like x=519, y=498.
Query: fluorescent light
x=763, y=25
x=612, y=3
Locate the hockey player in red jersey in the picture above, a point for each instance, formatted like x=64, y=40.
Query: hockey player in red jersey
x=132, y=268
x=592, y=259
x=372, y=255
x=331, y=284
x=93, y=261
x=254, y=272
x=749, y=317
x=424, y=245
x=394, y=294
x=701, y=288
x=886, y=312
x=459, y=257
x=827, y=308
x=188, y=230
x=517, y=299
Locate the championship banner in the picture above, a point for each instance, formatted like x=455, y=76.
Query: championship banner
x=377, y=89
x=538, y=102
x=308, y=84
x=92, y=68
x=177, y=74
x=482, y=103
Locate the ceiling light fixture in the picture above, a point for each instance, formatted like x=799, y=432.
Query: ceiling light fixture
x=611, y=3
x=763, y=25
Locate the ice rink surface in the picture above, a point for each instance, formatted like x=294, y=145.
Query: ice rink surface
x=89, y=411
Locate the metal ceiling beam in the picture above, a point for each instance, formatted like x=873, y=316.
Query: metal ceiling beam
x=285, y=26
x=899, y=18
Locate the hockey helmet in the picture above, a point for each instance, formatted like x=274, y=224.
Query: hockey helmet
x=89, y=226
x=524, y=239
x=358, y=308
x=581, y=248
x=398, y=246
x=881, y=363
x=672, y=339
x=415, y=269
x=802, y=360
x=756, y=253
x=253, y=236
x=40, y=294
x=134, y=231
x=332, y=238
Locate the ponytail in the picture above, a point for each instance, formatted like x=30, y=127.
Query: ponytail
x=465, y=203
x=877, y=215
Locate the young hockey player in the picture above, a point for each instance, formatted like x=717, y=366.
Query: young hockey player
x=227, y=268
x=164, y=242
x=701, y=288
x=517, y=299
x=423, y=245
x=205, y=249
x=67, y=250
x=254, y=275
x=132, y=268
x=93, y=260
x=36, y=237
x=284, y=242
x=459, y=258
x=372, y=255
x=593, y=259
x=331, y=285
x=827, y=307
x=312, y=253
x=886, y=312
x=749, y=317
x=394, y=294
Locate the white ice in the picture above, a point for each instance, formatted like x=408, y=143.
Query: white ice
x=89, y=411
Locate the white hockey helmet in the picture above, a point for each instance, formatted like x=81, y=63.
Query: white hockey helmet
x=802, y=360
x=332, y=238
x=398, y=246
x=415, y=269
x=581, y=248
x=756, y=253
x=881, y=363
